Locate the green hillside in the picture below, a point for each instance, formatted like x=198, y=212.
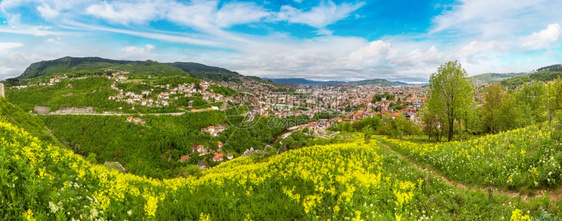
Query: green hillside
x=33, y=125
x=141, y=148
x=351, y=181
x=91, y=91
x=492, y=77
x=544, y=74
x=72, y=66
x=202, y=71
x=380, y=82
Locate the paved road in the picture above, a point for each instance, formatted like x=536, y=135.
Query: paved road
x=128, y=114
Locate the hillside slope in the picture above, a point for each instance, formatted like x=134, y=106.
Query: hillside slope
x=545, y=74
x=340, y=182
x=380, y=82
x=95, y=65
x=492, y=77
x=300, y=81
x=33, y=125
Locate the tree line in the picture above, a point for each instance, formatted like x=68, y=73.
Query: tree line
x=451, y=108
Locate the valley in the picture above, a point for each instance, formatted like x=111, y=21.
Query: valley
x=113, y=141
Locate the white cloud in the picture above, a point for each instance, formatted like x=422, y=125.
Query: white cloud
x=482, y=34
x=484, y=16
x=543, y=39
x=375, y=50
x=143, y=53
x=13, y=62
x=47, y=12
x=149, y=34
x=320, y=16
x=56, y=40
x=430, y=56
x=31, y=30
x=239, y=13
x=476, y=52
x=125, y=12
x=48, y=9
x=9, y=45
x=498, y=19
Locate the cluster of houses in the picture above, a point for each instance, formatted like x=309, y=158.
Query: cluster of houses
x=52, y=81
x=136, y=120
x=162, y=99
x=216, y=156
x=118, y=75
x=309, y=100
x=214, y=130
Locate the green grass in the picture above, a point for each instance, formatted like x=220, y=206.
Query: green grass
x=523, y=159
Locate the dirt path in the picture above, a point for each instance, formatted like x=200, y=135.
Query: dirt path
x=554, y=195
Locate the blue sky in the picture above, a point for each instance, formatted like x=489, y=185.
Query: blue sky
x=402, y=40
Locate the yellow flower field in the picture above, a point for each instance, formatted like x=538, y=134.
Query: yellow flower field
x=355, y=181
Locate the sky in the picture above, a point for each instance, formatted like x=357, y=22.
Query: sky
x=399, y=40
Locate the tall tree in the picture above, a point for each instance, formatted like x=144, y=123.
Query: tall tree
x=450, y=94
x=493, y=95
x=533, y=97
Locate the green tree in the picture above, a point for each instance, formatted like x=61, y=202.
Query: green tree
x=450, y=94
x=347, y=127
x=509, y=114
x=367, y=133
x=397, y=127
x=474, y=121
x=554, y=99
x=533, y=96
x=432, y=124
x=493, y=95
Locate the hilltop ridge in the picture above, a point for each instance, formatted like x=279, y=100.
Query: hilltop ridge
x=92, y=65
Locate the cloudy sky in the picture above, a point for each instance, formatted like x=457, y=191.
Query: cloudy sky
x=402, y=40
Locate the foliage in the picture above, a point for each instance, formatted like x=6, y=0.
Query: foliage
x=32, y=125
x=139, y=88
x=385, y=95
x=355, y=180
x=521, y=158
x=540, y=75
x=141, y=148
x=492, y=77
x=93, y=65
x=501, y=110
x=175, y=80
x=225, y=91
x=532, y=98
x=397, y=127
x=138, y=148
x=92, y=91
x=554, y=98
x=450, y=94
x=493, y=96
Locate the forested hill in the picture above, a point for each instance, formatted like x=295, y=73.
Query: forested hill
x=191, y=67
x=67, y=64
x=493, y=77
x=93, y=65
x=548, y=73
x=381, y=82
x=556, y=67
x=300, y=81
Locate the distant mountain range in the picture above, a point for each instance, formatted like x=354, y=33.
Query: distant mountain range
x=302, y=81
